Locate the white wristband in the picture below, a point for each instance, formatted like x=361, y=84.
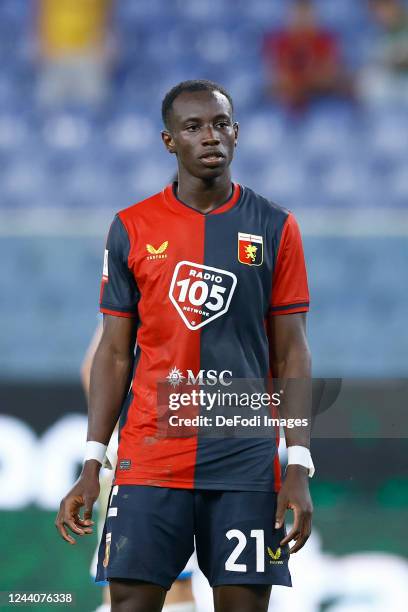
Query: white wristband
x=300, y=455
x=95, y=450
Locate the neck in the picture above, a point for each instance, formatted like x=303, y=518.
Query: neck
x=204, y=194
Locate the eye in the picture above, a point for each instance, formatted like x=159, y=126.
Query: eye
x=192, y=128
x=223, y=124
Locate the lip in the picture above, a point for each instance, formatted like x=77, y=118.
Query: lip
x=211, y=154
x=212, y=159
x=212, y=162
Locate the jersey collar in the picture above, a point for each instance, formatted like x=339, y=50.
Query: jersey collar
x=180, y=207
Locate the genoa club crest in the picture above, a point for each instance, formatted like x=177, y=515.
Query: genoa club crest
x=250, y=249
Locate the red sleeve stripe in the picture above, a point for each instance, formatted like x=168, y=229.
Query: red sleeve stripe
x=116, y=313
x=103, y=285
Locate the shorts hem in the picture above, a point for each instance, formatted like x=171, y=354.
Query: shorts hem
x=139, y=577
x=238, y=581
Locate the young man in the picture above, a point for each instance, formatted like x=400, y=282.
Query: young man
x=211, y=278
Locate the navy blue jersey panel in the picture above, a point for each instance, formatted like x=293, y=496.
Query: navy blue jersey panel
x=243, y=241
x=237, y=340
x=235, y=464
x=120, y=292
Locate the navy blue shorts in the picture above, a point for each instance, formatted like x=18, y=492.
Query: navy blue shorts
x=149, y=536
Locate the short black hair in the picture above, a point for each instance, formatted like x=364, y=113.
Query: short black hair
x=190, y=86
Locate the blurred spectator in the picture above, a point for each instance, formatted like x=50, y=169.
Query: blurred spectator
x=74, y=48
x=386, y=77
x=303, y=60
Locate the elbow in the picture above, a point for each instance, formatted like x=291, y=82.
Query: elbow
x=117, y=356
x=85, y=374
x=301, y=361
x=308, y=358
x=296, y=364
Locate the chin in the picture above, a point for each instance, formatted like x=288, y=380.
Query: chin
x=213, y=173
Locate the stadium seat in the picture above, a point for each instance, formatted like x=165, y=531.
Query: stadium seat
x=68, y=160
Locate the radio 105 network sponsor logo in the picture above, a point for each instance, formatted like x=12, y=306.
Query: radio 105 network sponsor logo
x=201, y=294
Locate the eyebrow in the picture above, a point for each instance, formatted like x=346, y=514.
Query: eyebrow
x=219, y=116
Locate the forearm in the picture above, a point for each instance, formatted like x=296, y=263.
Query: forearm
x=110, y=376
x=109, y=384
x=294, y=374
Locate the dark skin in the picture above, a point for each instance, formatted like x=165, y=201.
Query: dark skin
x=290, y=359
x=200, y=124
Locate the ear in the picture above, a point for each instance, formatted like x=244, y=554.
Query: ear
x=236, y=130
x=168, y=141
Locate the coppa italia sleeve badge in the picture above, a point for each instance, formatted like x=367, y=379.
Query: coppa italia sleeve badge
x=105, y=272
x=200, y=293
x=250, y=249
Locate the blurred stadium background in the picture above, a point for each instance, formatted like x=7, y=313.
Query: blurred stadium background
x=80, y=139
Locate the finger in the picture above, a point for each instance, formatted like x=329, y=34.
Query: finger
x=88, y=508
x=300, y=542
x=281, y=508
x=304, y=534
x=84, y=522
x=70, y=522
x=87, y=530
x=63, y=532
x=295, y=531
x=292, y=535
x=295, y=528
x=83, y=525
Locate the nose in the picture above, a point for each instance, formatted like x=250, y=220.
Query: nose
x=210, y=136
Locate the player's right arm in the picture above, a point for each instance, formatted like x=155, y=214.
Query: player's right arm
x=110, y=376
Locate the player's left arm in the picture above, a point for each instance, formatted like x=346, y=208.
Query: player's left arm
x=291, y=364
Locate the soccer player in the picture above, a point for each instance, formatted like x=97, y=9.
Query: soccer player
x=210, y=277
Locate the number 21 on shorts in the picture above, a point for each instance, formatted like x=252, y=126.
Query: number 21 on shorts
x=258, y=534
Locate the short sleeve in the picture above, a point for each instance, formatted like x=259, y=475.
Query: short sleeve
x=290, y=293
x=119, y=293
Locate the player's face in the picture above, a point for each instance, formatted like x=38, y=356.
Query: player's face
x=202, y=133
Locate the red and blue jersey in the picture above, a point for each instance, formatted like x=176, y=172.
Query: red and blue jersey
x=200, y=288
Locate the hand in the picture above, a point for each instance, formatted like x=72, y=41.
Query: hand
x=84, y=493
x=295, y=495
